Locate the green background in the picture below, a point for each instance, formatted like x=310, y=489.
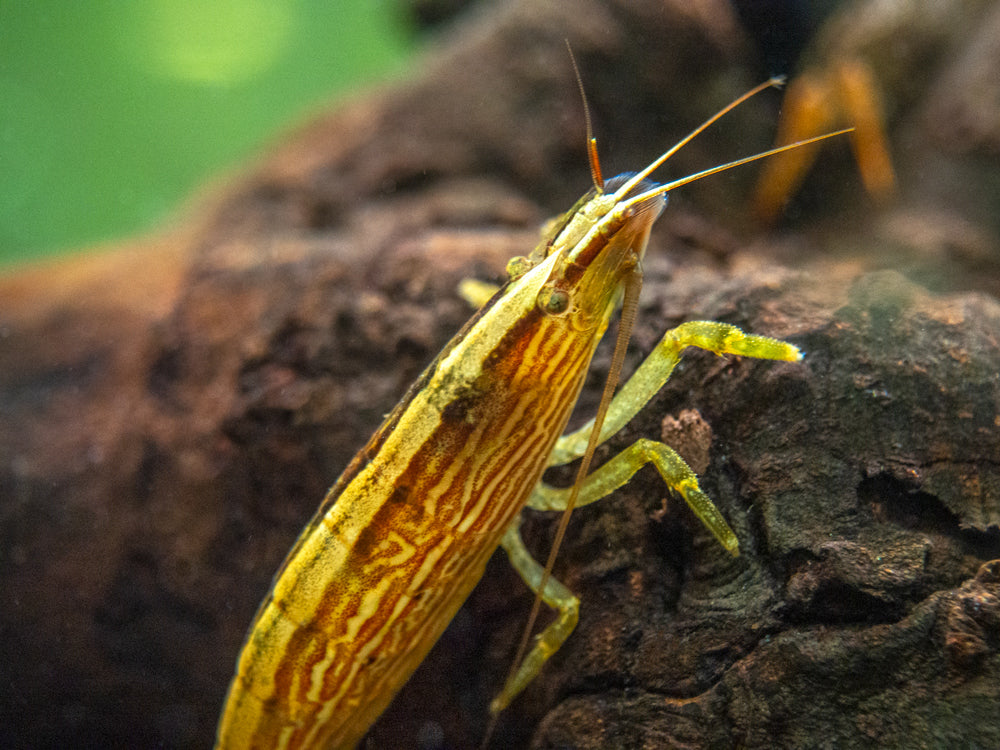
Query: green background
x=112, y=112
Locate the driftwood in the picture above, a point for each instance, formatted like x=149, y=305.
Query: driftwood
x=173, y=411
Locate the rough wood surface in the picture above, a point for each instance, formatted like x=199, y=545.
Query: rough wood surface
x=172, y=412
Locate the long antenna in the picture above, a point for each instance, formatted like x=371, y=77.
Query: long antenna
x=595, y=163
x=661, y=189
x=775, y=82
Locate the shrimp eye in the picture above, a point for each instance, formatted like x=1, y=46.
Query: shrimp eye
x=553, y=301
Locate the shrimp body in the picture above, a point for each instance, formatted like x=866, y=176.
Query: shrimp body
x=405, y=534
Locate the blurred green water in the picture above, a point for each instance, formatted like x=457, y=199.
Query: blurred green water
x=112, y=112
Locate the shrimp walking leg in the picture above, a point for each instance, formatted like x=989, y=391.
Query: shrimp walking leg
x=555, y=595
x=653, y=373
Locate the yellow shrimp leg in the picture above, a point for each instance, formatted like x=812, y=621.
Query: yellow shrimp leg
x=649, y=378
x=556, y=595
x=477, y=293
x=653, y=373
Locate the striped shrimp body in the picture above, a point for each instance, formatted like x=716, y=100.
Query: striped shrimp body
x=405, y=533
